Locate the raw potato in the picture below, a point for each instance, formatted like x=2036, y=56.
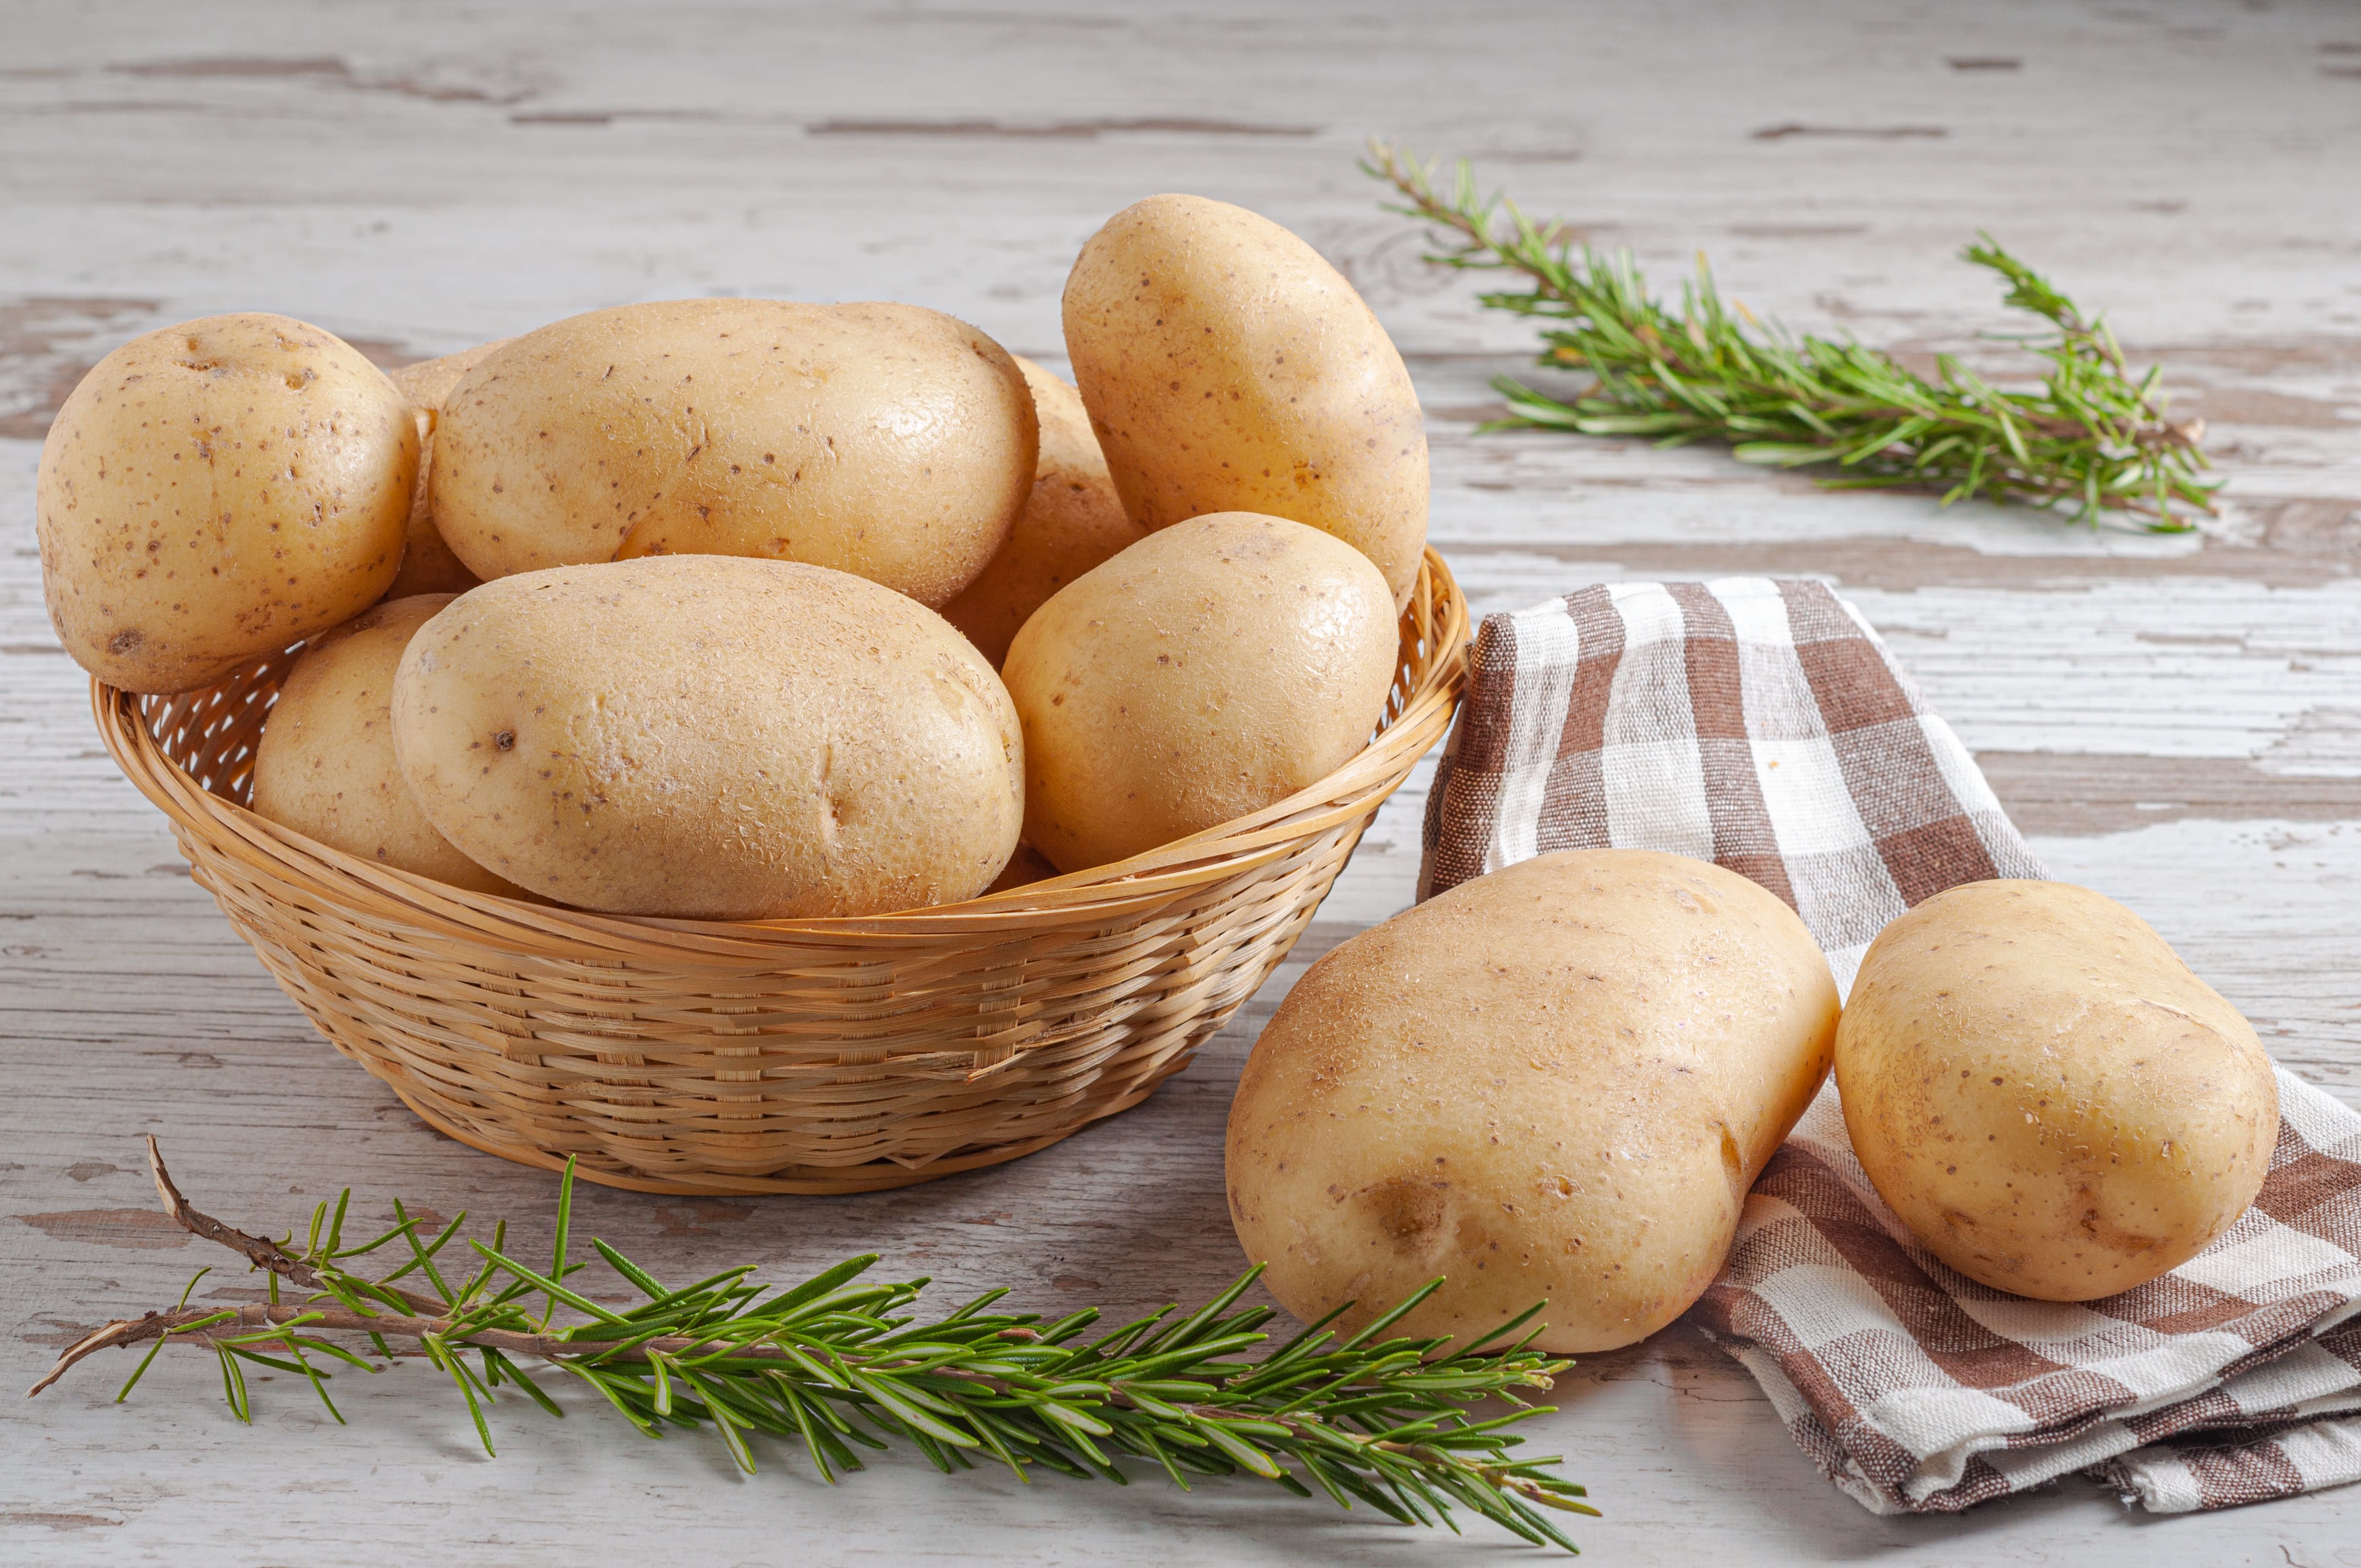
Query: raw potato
x=1213, y=668
x=325, y=766
x=2047, y=1095
x=1071, y=521
x=1557, y=1080
x=216, y=491
x=1024, y=868
x=887, y=441
x=711, y=737
x=427, y=565
x=1227, y=368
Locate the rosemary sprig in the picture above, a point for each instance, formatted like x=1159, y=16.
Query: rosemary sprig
x=2091, y=437
x=837, y=1362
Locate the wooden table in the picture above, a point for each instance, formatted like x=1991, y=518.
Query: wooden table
x=2177, y=721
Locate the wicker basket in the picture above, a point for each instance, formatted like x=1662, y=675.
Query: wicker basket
x=809, y=1056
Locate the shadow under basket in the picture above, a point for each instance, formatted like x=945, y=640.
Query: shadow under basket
x=805, y=1055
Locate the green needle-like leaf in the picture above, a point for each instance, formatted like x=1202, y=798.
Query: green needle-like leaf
x=557, y=1242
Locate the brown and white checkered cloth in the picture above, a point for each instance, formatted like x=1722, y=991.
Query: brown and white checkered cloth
x=1763, y=725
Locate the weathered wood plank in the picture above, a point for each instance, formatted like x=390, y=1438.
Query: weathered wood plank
x=2177, y=721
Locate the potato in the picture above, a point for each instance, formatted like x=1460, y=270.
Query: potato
x=1071, y=521
x=1213, y=668
x=1227, y=368
x=2045, y=1093
x=1024, y=868
x=427, y=565
x=324, y=766
x=428, y=381
x=711, y=737
x=1555, y=1082
x=887, y=441
x=216, y=491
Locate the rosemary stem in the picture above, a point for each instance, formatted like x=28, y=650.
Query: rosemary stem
x=836, y=1361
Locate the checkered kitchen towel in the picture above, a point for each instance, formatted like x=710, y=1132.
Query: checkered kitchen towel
x=1763, y=725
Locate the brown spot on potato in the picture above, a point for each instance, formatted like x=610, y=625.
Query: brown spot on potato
x=1409, y=1213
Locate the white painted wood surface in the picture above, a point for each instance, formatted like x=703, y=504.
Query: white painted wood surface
x=2177, y=721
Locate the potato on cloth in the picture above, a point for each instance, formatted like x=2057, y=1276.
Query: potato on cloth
x=884, y=440
x=2047, y=1095
x=1210, y=670
x=219, y=490
x=711, y=737
x=1228, y=367
x=1554, y=1082
x=325, y=766
x=1761, y=721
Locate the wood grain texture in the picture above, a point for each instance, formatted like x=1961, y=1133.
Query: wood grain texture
x=2177, y=721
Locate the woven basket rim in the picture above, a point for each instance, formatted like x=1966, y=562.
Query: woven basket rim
x=1128, y=889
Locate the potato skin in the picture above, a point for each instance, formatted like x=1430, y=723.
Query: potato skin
x=2047, y=1096
x=1228, y=367
x=325, y=766
x=1071, y=523
x=1024, y=868
x=711, y=737
x=1211, y=669
x=219, y=490
x=1557, y=1080
x=883, y=440
x=427, y=565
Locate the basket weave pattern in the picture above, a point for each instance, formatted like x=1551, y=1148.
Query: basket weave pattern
x=810, y=1056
